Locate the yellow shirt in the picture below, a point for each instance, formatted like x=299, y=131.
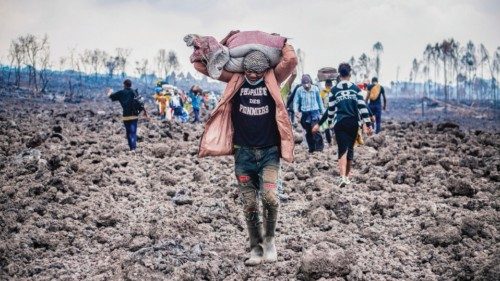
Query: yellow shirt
x=324, y=93
x=162, y=100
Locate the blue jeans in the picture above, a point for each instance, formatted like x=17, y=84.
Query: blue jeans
x=257, y=172
x=196, y=112
x=376, y=109
x=131, y=129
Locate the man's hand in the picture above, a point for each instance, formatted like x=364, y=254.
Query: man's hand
x=384, y=108
x=367, y=130
x=109, y=91
x=315, y=129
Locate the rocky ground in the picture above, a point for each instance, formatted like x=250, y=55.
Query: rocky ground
x=477, y=116
x=74, y=205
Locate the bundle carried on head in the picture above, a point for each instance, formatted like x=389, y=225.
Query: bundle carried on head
x=327, y=73
x=230, y=55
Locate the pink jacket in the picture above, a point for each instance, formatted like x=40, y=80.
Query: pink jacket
x=217, y=139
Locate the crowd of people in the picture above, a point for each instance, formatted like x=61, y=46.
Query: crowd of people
x=178, y=105
x=254, y=121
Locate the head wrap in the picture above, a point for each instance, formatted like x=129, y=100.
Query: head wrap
x=256, y=61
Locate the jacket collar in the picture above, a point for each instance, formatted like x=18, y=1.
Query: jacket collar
x=341, y=83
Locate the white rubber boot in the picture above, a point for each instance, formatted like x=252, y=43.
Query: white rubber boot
x=255, y=256
x=269, y=247
x=256, y=252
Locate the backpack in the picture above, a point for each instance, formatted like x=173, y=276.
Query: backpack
x=375, y=92
x=137, y=104
x=291, y=96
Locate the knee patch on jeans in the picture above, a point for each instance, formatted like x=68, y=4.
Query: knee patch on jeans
x=249, y=199
x=270, y=198
x=250, y=205
x=269, y=178
x=243, y=178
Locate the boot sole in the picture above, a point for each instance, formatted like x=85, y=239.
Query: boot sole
x=253, y=261
x=269, y=260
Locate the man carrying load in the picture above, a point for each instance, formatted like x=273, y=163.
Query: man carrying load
x=252, y=123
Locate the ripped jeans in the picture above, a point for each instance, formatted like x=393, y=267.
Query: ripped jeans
x=257, y=174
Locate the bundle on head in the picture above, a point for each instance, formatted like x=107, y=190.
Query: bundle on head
x=230, y=56
x=327, y=73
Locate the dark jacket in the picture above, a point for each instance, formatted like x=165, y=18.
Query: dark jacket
x=125, y=97
x=344, y=101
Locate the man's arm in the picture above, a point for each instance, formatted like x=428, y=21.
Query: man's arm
x=363, y=110
x=113, y=96
x=383, y=95
x=202, y=68
x=287, y=63
x=319, y=101
x=324, y=117
x=191, y=94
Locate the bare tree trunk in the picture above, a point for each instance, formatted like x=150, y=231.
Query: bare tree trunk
x=423, y=98
x=8, y=76
x=71, y=89
x=445, y=87
x=435, y=85
x=44, y=80
x=29, y=78
x=18, y=76
x=496, y=94
x=34, y=80
x=467, y=87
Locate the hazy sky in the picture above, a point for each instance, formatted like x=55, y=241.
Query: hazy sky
x=328, y=31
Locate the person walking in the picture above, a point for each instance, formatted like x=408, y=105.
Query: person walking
x=375, y=92
x=131, y=105
x=195, y=94
x=324, y=97
x=346, y=112
x=251, y=122
x=162, y=99
x=308, y=102
x=177, y=105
